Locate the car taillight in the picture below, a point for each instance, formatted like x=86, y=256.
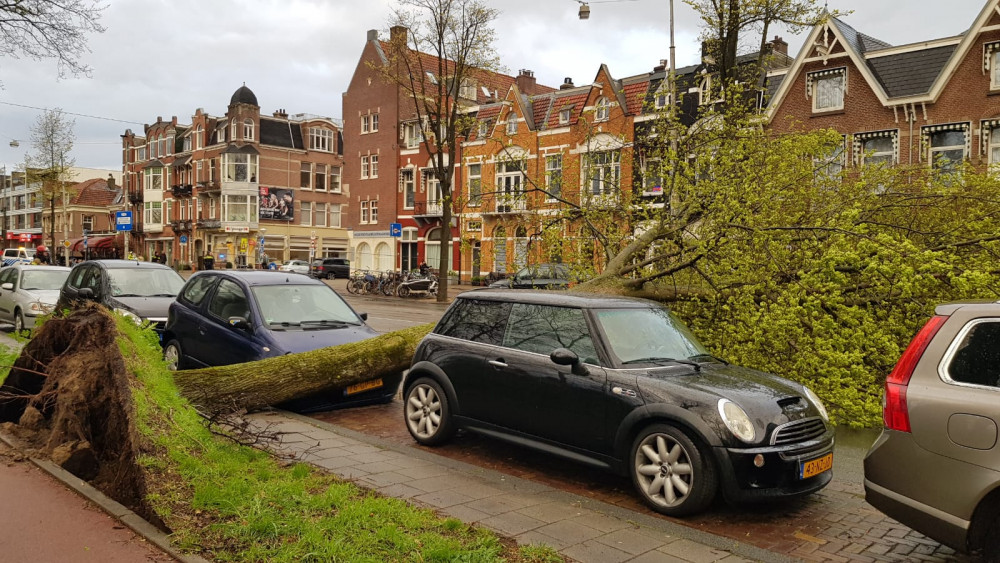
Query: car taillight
x=894, y=411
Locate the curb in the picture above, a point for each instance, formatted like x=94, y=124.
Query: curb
x=113, y=508
x=734, y=547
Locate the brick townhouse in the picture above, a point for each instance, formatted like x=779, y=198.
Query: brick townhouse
x=242, y=187
x=935, y=102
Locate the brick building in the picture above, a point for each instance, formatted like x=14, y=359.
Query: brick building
x=240, y=187
x=935, y=102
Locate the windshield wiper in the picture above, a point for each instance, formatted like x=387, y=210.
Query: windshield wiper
x=284, y=323
x=656, y=360
x=710, y=357
x=330, y=322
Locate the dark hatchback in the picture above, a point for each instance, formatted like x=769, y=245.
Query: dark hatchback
x=140, y=290
x=619, y=384
x=331, y=268
x=538, y=276
x=225, y=317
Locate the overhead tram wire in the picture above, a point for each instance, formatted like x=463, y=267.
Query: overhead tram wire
x=84, y=114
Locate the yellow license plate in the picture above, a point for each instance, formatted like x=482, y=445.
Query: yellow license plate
x=363, y=386
x=814, y=467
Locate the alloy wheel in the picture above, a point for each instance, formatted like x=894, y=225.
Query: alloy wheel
x=663, y=470
x=423, y=411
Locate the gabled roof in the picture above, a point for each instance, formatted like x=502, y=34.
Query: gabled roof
x=96, y=193
x=548, y=106
x=912, y=72
x=860, y=42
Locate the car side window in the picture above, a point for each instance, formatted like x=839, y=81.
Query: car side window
x=229, y=301
x=476, y=320
x=195, y=292
x=977, y=360
x=92, y=279
x=76, y=279
x=542, y=329
x=8, y=276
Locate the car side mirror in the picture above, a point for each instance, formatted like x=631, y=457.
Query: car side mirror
x=239, y=322
x=85, y=293
x=567, y=357
x=8, y=286
x=364, y=316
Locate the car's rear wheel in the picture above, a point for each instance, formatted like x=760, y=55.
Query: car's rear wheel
x=428, y=415
x=669, y=471
x=172, y=356
x=991, y=541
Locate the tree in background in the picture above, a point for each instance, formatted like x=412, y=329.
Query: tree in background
x=52, y=140
x=50, y=29
x=447, y=47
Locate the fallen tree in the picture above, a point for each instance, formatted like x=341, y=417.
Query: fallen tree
x=254, y=385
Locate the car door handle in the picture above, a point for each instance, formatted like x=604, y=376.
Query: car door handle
x=498, y=363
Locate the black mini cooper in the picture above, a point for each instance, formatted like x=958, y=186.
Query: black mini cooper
x=619, y=384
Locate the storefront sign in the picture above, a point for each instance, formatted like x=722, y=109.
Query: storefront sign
x=232, y=229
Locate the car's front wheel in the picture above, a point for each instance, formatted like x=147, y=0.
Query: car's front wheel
x=19, y=323
x=670, y=473
x=428, y=415
x=172, y=356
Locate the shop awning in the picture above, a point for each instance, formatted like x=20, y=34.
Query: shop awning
x=107, y=241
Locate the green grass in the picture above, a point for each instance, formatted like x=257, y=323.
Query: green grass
x=234, y=503
x=7, y=358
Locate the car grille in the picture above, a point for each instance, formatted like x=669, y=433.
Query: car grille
x=798, y=431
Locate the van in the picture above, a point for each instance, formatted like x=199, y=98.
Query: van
x=18, y=256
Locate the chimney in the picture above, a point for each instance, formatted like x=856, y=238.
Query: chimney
x=397, y=33
x=372, y=35
x=660, y=67
x=525, y=81
x=281, y=113
x=567, y=84
x=111, y=182
x=778, y=46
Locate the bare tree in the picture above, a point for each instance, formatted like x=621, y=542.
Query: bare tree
x=438, y=51
x=52, y=140
x=50, y=29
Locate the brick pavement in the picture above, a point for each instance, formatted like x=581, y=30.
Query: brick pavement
x=580, y=528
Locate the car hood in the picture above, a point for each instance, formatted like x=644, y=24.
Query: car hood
x=766, y=398
x=294, y=341
x=46, y=296
x=144, y=307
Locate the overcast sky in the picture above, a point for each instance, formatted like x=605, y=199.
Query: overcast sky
x=169, y=57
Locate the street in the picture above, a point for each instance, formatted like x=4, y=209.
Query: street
x=834, y=525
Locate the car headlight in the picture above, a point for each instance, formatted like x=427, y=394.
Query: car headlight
x=736, y=420
x=40, y=308
x=129, y=315
x=815, y=401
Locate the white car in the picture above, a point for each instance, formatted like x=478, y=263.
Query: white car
x=27, y=292
x=297, y=266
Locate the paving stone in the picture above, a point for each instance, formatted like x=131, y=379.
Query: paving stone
x=358, y=449
x=534, y=537
x=349, y=472
x=332, y=463
x=657, y=557
x=596, y=552
x=570, y=531
x=734, y=559
x=552, y=511
x=443, y=498
x=511, y=523
x=693, y=551
x=658, y=535
x=600, y=522
x=501, y=503
x=465, y=512
x=425, y=471
x=376, y=480
x=630, y=540
x=475, y=490
x=373, y=458
x=402, y=491
x=436, y=483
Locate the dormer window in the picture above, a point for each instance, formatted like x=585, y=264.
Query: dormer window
x=320, y=139
x=662, y=100
x=827, y=89
x=248, y=129
x=484, y=128
x=564, y=117
x=603, y=109
x=468, y=89
x=991, y=63
x=511, y=124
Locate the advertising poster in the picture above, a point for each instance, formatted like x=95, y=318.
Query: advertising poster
x=277, y=204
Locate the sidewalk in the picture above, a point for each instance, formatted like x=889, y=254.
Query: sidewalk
x=579, y=528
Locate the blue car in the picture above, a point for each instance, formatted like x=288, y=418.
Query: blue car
x=225, y=317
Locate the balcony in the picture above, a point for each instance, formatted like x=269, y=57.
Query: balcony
x=182, y=190
x=209, y=223
x=427, y=211
x=135, y=198
x=505, y=204
x=209, y=188
x=180, y=226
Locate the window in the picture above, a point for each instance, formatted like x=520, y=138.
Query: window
x=603, y=110
x=305, y=176
x=475, y=184
x=409, y=190
x=603, y=170
x=662, y=100
x=484, y=128
x=240, y=167
x=306, y=217
x=374, y=211
x=334, y=179
x=977, y=359
x=229, y=301
x=335, y=215
x=154, y=179
x=364, y=212
x=211, y=208
x=320, y=139
x=220, y=133
x=474, y=226
x=433, y=186
x=413, y=134
x=994, y=145
x=154, y=213
x=564, y=117
x=467, y=89
x=320, y=215
x=374, y=122
x=831, y=164
x=187, y=143
x=163, y=147
x=197, y=171
x=365, y=123
x=232, y=130
x=248, y=129
x=374, y=169
x=511, y=124
x=877, y=148
x=365, y=170
x=475, y=320
x=320, y=183
x=553, y=176
x=239, y=208
x=541, y=329
x=140, y=153
x=212, y=175
x=509, y=184
x=995, y=70
x=946, y=146
x=652, y=177
x=828, y=88
x=198, y=136
x=88, y=223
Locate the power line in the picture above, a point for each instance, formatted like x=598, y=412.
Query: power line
x=71, y=113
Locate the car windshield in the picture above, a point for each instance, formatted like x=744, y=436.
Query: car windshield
x=43, y=279
x=144, y=282
x=302, y=304
x=647, y=335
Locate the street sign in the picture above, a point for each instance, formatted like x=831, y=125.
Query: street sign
x=123, y=220
x=184, y=239
x=395, y=229
x=66, y=243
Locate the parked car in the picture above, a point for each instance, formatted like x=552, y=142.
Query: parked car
x=539, y=276
x=936, y=465
x=140, y=290
x=20, y=255
x=619, y=384
x=330, y=268
x=297, y=266
x=27, y=292
x=228, y=317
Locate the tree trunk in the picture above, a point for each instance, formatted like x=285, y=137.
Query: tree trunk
x=258, y=384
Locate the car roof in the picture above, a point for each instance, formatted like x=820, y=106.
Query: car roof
x=118, y=264
x=558, y=298
x=38, y=267
x=262, y=277
x=984, y=306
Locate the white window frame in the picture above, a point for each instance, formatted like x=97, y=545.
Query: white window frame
x=511, y=124
x=374, y=127
x=995, y=70
x=374, y=165
x=364, y=212
x=306, y=216
x=198, y=137
x=153, y=178
x=475, y=175
x=564, y=116
x=319, y=175
x=319, y=214
x=373, y=205
x=602, y=109
x=869, y=157
x=602, y=171
x=365, y=170
x=231, y=163
x=413, y=134
x=818, y=83
x=408, y=183
x=335, y=218
x=365, y=124
x=334, y=180
x=553, y=176
x=320, y=139
x=933, y=151
x=993, y=149
x=248, y=129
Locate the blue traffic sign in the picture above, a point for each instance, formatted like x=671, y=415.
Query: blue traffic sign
x=184, y=239
x=123, y=220
x=395, y=229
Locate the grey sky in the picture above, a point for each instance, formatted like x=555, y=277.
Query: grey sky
x=169, y=57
